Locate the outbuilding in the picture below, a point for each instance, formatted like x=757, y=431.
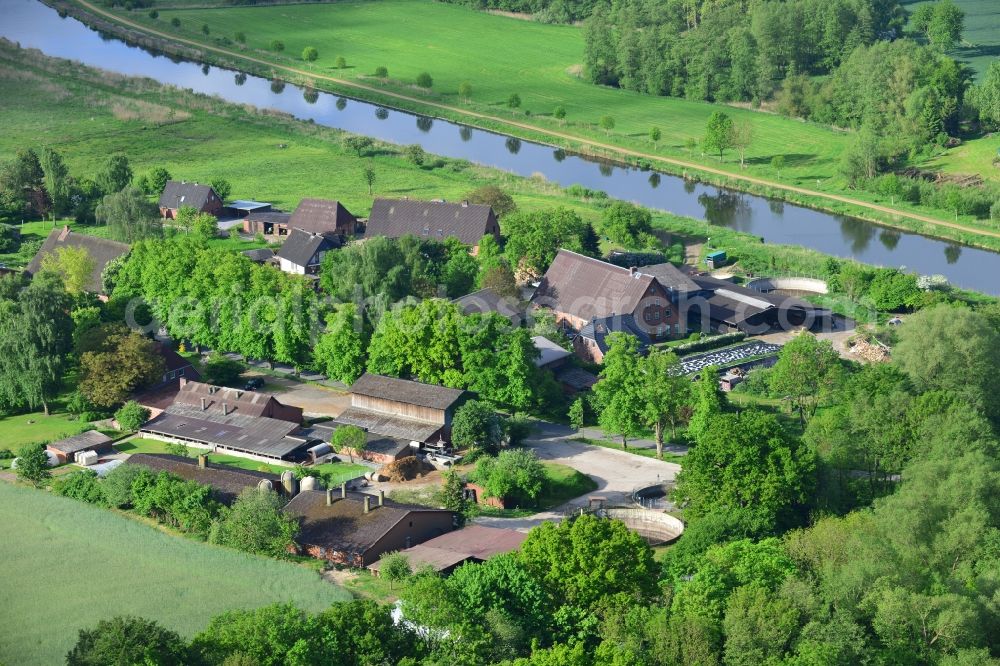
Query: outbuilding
x=65, y=450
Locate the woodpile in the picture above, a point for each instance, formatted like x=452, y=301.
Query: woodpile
x=871, y=352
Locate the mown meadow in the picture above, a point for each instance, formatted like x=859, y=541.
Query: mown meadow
x=72, y=564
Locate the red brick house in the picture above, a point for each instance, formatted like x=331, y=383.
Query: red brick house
x=356, y=529
x=180, y=194
x=580, y=289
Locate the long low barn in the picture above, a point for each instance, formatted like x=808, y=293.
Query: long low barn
x=247, y=423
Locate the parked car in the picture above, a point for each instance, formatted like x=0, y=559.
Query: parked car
x=253, y=384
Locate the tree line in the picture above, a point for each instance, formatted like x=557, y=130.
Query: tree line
x=844, y=63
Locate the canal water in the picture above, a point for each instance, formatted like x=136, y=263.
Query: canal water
x=35, y=25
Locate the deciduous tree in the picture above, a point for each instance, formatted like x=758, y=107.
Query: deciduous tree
x=665, y=394
x=477, y=425
x=126, y=640
x=256, y=524
x=619, y=393
x=73, y=264
x=718, y=133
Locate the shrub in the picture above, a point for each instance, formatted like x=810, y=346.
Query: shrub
x=176, y=22
x=82, y=485
x=240, y=37
x=341, y=62
x=131, y=416
x=382, y=72
x=310, y=54
x=515, y=474
x=701, y=343
x=10, y=238
x=153, y=14
x=415, y=153
x=277, y=45
x=256, y=524
x=222, y=370
x=424, y=80
x=33, y=465
x=117, y=486
x=128, y=640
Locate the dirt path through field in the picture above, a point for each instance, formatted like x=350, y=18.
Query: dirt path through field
x=548, y=132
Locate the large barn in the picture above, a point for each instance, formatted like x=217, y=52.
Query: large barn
x=402, y=409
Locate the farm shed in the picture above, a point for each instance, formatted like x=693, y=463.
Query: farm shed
x=65, y=450
x=356, y=529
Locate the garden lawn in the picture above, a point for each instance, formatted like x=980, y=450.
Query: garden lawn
x=36, y=428
x=144, y=445
x=72, y=564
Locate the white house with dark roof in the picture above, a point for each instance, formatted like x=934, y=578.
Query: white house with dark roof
x=302, y=252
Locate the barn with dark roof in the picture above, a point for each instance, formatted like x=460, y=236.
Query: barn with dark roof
x=101, y=250
x=436, y=220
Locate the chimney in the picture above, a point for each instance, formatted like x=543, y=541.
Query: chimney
x=368, y=503
x=204, y=406
x=465, y=204
x=184, y=381
x=343, y=490
x=632, y=270
x=381, y=498
x=202, y=461
x=225, y=408
x=329, y=497
x=64, y=233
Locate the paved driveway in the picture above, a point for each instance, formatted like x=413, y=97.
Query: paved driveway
x=617, y=473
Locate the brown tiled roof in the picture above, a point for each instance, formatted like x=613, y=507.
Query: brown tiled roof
x=405, y=391
x=586, y=288
x=101, y=250
x=81, y=442
x=421, y=556
x=227, y=482
x=430, y=219
x=245, y=403
x=389, y=425
x=670, y=277
x=181, y=193
x=322, y=216
x=479, y=541
x=344, y=525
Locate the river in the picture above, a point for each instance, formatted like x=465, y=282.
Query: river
x=35, y=25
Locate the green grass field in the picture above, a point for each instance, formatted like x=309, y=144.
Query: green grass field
x=499, y=56
x=542, y=64
x=70, y=565
x=88, y=116
x=981, y=38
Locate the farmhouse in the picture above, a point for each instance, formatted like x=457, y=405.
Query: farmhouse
x=180, y=194
x=303, y=251
x=475, y=543
x=227, y=482
x=579, y=289
x=66, y=449
x=402, y=409
x=101, y=250
x=247, y=423
x=355, y=529
x=437, y=220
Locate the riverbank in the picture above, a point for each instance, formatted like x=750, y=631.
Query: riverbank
x=571, y=135
x=87, y=114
